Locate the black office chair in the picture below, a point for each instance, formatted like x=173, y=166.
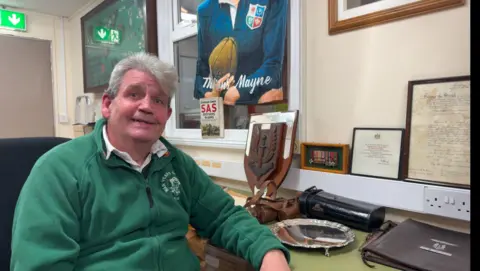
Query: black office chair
x=17, y=157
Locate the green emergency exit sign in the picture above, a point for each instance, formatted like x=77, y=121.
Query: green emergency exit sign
x=13, y=20
x=106, y=35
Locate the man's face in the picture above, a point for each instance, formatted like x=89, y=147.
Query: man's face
x=140, y=110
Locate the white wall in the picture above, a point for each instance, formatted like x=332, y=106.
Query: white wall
x=74, y=62
x=47, y=27
x=360, y=78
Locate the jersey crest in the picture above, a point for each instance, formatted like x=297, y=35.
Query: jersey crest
x=255, y=16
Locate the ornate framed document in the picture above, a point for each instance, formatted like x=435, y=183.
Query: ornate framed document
x=377, y=152
x=438, y=131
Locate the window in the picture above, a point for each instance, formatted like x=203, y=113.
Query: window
x=178, y=44
x=186, y=12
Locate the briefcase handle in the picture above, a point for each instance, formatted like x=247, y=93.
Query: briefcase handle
x=303, y=198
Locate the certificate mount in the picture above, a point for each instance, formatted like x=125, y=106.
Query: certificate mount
x=437, y=135
x=377, y=152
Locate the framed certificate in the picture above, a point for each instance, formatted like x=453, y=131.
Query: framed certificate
x=377, y=152
x=437, y=145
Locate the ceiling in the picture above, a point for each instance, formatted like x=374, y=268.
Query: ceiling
x=64, y=8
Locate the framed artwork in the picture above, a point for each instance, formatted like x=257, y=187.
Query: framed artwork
x=111, y=31
x=331, y=158
x=377, y=152
x=242, y=55
x=437, y=138
x=347, y=15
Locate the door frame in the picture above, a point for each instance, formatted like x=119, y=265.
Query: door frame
x=53, y=75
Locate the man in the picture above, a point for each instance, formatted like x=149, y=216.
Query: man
x=120, y=198
x=255, y=31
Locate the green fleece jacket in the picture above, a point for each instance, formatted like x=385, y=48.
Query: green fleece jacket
x=79, y=211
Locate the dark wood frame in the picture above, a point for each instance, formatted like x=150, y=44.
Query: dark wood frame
x=345, y=148
x=151, y=40
x=400, y=158
x=384, y=16
x=408, y=124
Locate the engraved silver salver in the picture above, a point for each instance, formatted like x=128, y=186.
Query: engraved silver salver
x=313, y=233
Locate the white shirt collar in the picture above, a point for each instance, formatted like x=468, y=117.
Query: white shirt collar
x=233, y=10
x=158, y=148
x=226, y=2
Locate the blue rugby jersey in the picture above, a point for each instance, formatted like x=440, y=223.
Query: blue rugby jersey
x=260, y=33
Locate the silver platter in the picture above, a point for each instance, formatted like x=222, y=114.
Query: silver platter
x=313, y=233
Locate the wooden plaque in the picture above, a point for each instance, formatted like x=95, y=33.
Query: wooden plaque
x=269, y=150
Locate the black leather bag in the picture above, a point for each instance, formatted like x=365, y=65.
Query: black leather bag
x=318, y=204
x=416, y=246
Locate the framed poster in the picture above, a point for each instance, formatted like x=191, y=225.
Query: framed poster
x=111, y=31
x=438, y=131
x=377, y=152
x=348, y=15
x=242, y=51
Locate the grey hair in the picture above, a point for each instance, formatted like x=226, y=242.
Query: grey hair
x=165, y=74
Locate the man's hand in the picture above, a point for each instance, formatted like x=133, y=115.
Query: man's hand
x=231, y=96
x=274, y=260
x=271, y=96
x=223, y=83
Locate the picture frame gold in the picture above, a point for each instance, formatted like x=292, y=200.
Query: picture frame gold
x=341, y=19
x=332, y=158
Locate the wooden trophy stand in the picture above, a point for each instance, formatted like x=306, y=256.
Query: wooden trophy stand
x=269, y=150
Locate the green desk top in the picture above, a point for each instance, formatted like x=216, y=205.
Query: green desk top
x=341, y=259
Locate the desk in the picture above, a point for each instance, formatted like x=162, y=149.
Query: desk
x=341, y=259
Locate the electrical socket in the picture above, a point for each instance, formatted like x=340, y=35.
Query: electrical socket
x=449, y=202
x=62, y=118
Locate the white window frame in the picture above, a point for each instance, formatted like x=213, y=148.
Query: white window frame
x=169, y=33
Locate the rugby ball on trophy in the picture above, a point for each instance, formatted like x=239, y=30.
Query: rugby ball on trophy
x=223, y=59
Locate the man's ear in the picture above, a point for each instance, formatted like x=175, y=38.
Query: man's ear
x=106, y=102
x=169, y=113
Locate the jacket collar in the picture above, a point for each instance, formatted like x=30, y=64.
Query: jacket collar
x=158, y=147
x=97, y=135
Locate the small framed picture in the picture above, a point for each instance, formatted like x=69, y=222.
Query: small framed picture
x=331, y=158
x=377, y=152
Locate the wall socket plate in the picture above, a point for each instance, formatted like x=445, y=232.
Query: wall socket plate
x=447, y=202
x=62, y=118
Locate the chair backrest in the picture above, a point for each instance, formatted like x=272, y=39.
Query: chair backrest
x=17, y=157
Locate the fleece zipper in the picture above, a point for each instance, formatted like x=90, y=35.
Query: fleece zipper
x=148, y=191
x=149, y=194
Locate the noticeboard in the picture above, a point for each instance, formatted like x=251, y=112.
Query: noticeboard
x=111, y=31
